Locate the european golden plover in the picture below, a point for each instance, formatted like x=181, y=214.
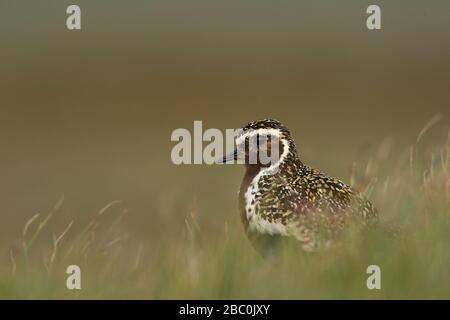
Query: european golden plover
x=287, y=199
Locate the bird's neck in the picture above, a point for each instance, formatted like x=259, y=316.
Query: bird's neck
x=288, y=161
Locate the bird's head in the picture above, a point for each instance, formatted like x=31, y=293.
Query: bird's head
x=264, y=143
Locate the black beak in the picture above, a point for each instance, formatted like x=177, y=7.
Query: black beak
x=229, y=157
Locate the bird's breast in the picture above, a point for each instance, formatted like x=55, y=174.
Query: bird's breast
x=254, y=216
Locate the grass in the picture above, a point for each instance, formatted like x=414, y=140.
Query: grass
x=205, y=261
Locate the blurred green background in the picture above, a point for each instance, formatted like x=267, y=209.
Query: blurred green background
x=88, y=114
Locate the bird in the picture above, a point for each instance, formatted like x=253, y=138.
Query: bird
x=285, y=199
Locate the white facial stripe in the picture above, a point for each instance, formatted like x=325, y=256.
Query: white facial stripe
x=274, y=167
x=251, y=133
x=272, y=132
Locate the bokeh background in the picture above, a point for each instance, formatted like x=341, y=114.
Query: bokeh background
x=87, y=115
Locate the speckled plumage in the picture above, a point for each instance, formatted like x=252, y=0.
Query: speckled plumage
x=297, y=201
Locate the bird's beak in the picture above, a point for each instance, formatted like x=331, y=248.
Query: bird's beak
x=229, y=157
